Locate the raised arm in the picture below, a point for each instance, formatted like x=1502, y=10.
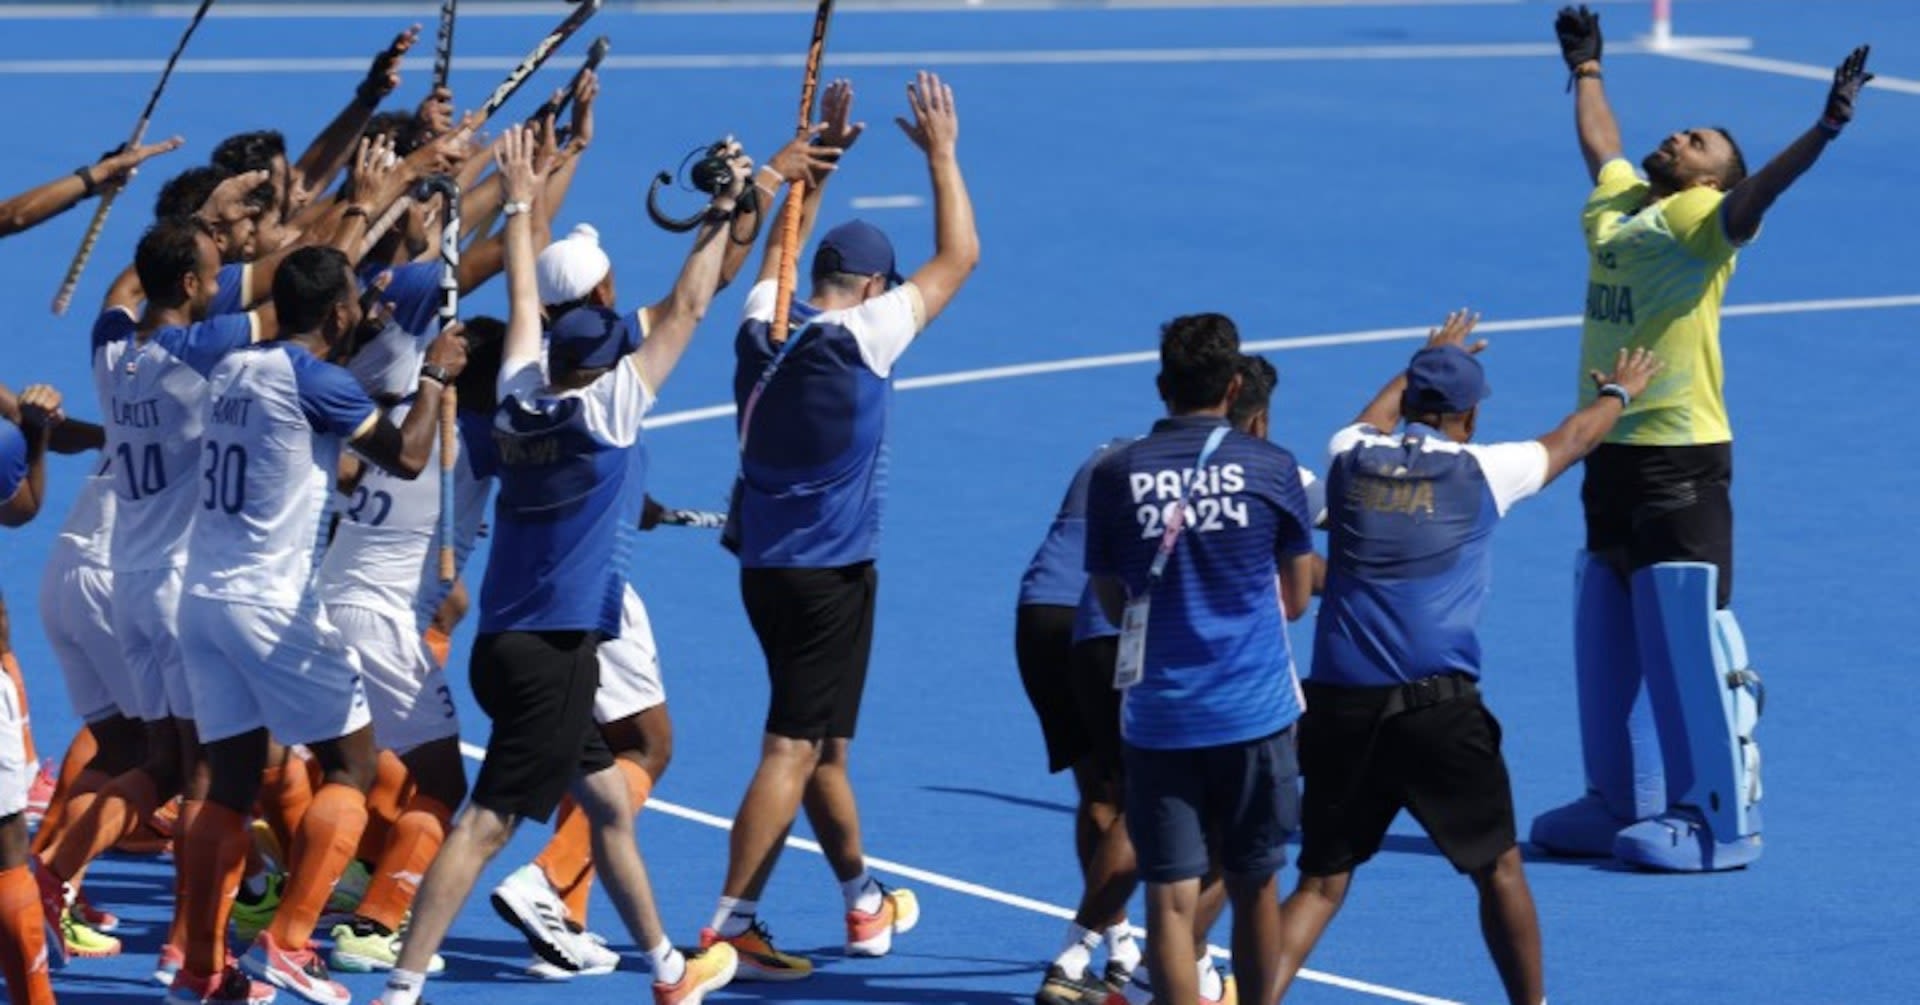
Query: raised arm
x=956, y=243
x=36, y=412
x=35, y=206
x=1383, y=412
x=1750, y=200
x=1583, y=430
x=330, y=151
x=514, y=155
x=670, y=323
x=1579, y=31
x=836, y=134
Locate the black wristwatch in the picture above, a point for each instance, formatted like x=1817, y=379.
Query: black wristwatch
x=437, y=374
x=1616, y=391
x=92, y=188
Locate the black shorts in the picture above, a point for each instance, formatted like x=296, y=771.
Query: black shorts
x=1097, y=700
x=1043, y=646
x=538, y=689
x=1661, y=504
x=1234, y=804
x=1442, y=763
x=816, y=629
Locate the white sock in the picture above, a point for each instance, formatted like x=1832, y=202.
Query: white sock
x=734, y=915
x=1078, y=951
x=668, y=965
x=1122, y=948
x=1212, y=988
x=404, y=987
x=862, y=893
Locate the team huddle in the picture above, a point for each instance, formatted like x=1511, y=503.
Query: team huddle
x=300, y=444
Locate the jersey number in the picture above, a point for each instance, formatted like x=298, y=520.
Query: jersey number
x=226, y=477
x=1207, y=514
x=147, y=477
x=382, y=504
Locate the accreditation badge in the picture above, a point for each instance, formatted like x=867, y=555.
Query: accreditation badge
x=1132, y=664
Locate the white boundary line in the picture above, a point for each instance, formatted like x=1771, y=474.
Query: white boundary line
x=1805, y=71
x=262, y=11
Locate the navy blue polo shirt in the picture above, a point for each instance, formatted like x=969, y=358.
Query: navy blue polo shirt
x=1057, y=575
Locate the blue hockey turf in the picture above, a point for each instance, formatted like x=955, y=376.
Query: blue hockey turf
x=1334, y=176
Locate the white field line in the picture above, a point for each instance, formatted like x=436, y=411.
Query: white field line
x=1805, y=71
x=258, y=11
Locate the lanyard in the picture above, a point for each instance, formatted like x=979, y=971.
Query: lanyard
x=766, y=377
x=1177, y=520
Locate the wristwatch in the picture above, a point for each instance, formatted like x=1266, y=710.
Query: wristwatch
x=436, y=373
x=516, y=208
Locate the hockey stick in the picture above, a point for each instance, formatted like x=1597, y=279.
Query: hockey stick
x=443, y=44
x=64, y=299
x=693, y=518
x=790, y=217
x=595, y=53
x=449, y=193
x=538, y=57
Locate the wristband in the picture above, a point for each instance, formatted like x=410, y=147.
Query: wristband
x=1616, y=391
x=1576, y=76
x=85, y=175
x=513, y=209
x=355, y=210
x=437, y=374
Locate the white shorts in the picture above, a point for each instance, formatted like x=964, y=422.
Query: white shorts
x=16, y=776
x=76, y=613
x=629, y=667
x=146, y=620
x=287, y=670
x=407, y=693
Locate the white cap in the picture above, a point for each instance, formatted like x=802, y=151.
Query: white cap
x=571, y=267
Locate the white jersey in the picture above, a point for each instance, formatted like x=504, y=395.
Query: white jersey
x=275, y=420
x=86, y=538
x=152, y=390
x=388, y=531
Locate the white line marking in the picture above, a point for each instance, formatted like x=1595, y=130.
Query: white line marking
x=888, y=201
x=764, y=61
x=258, y=11
x=971, y=889
x=1805, y=71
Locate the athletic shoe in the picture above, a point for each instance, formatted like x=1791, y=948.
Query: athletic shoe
x=363, y=947
x=228, y=987
x=593, y=952
x=526, y=901
x=759, y=960
x=93, y=917
x=352, y=888
x=169, y=964
x=711, y=969
x=1061, y=989
x=54, y=898
x=252, y=916
x=1139, y=993
x=40, y=793
x=299, y=971
x=871, y=934
x=1116, y=975
x=83, y=942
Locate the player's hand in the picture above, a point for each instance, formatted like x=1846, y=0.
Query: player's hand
x=449, y=350
x=1579, y=31
x=514, y=157
x=40, y=408
x=384, y=75
x=434, y=117
x=1848, y=79
x=802, y=160
x=836, y=107
x=650, y=514
x=1633, y=370
x=119, y=167
x=1454, y=332
x=232, y=200
x=935, y=128
x=378, y=176
x=581, y=133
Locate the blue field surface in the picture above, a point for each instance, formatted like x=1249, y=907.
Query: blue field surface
x=1344, y=171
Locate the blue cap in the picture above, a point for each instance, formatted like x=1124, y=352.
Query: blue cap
x=856, y=247
x=589, y=337
x=1443, y=380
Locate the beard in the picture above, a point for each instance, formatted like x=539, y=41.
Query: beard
x=1661, y=170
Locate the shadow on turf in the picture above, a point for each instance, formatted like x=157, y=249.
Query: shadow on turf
x=1001, y=797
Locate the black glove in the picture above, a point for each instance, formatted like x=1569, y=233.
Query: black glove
x=1848, y=79
x=1579, y=31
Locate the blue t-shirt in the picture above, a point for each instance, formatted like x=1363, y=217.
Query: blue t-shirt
x=13, y=459
x=1218, y=667
x=414, y=292
x=1410, y=520
x=230, y=293
x=1057, y=575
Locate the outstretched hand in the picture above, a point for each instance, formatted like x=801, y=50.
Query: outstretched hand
x=935, y=128
x=1579, y=31
x=836, y=107
x=384, y=75
x=1848, y=79
x=1454, y=332
x=40, y=408
x=514, y=156
x=118, y=167
x=805, y=160
x=1633, y=370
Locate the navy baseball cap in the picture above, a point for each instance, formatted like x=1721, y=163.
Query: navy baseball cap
x=589, y=337
x=1444, y=380
x=856, y=247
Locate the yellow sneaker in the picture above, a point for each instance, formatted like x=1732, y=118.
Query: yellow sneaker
x=710, y=969
x=84, y=942
x=759, y=960
x=871, y=934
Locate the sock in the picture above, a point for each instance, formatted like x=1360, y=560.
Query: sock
x=734, y=915
x=861, y=893
x=1078, y=951
x=386, y=802
x=177, y=929
x=115, y=813
x=285, y=796
x=402, y=865
x=23, y=939
x=1122, y=948
x=668, y=965
x=19, y=682
x=403, y=987
x=212, y=853
x=1212, y=988
x=328, y=836
x=572, y=836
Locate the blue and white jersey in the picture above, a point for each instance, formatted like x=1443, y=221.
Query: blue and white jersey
x=1057, y=575
x=388, y=532
x=13, y=459
x=571, y=488
x=153, y=394
x=230, y=290
x=86, y=538
x=1410, y=519
x=275, y=418
x=414, y=292
x=814, y=467
x=1218, y=666
x=389, y=363
x=472, y=488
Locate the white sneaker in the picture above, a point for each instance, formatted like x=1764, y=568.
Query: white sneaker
x=526, y=901
x=593, y=951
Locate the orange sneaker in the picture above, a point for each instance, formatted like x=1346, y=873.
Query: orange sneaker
x=759, y=960
x=871, y=934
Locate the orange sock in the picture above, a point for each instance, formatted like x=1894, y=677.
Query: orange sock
x=19, y=681
x=440, y=644
x=403, y=864
x=177, y=931
x=116, y=811
x=328, y=837
x=392, y=786
x=573, y=876
x=23, y=939
x=286, y=793
x=212, y=854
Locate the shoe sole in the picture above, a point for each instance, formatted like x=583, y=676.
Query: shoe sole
x=266, y=975
x=507, y=903
x=347, y=961
x=548, y=972
x=749, y=970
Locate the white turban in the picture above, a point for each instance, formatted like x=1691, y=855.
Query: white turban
x=571, y=267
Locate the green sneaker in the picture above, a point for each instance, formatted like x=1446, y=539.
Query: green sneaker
x=363, y=947
x=251, y=917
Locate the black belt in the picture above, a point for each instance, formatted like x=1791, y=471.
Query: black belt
x=1428, y=692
